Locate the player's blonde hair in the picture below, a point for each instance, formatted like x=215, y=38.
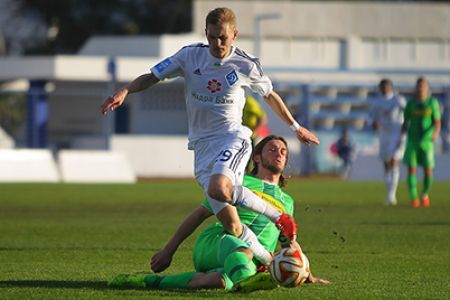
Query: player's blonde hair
x=221, y=15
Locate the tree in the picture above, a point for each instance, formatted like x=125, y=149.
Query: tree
x=55, y=26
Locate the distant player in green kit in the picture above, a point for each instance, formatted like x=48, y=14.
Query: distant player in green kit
x=422, y=121
x=221, y=260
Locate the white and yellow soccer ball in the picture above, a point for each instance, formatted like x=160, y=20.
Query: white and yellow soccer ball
x=289, y=267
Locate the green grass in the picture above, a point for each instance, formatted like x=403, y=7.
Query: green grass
x=64, y=241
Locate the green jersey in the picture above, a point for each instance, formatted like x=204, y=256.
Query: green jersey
x=264, y=229
x=421, y=116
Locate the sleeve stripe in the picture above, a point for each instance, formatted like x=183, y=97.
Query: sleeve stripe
x=253, y=59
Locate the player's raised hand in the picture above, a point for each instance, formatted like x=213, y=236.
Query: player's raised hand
x=306, y=136
x=160, y=261
x=114, y=101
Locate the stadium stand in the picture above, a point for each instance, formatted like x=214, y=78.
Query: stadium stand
x=95, y=167
x=325, y=69
x=27, y=165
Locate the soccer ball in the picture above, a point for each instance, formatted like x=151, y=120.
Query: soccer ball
x=289, y=267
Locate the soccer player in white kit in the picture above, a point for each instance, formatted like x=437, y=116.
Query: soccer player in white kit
x=387, y=116
x=215, y=77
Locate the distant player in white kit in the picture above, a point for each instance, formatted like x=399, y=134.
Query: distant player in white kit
x=215, y=77
x=387, y=114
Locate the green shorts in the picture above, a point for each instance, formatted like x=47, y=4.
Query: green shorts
x=422, y=155
x=212, y=248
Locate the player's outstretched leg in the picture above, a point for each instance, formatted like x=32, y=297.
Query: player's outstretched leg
x=259, y=281
x=287, y=226
x=255, y=246
x=245, y=198
x=241, y=270
x=238, y=266
x=229, y=218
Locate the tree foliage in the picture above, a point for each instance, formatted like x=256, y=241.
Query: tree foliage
x=65, y=25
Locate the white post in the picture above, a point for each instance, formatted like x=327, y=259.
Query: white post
x=257, y=31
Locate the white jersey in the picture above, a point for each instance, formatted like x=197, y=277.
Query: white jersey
x=388, y=112
x=214, y=89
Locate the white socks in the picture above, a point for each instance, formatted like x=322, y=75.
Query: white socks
x=243, y=197
x=255, y=246
x=391, y=183
x=395, y=175
x=387, y=183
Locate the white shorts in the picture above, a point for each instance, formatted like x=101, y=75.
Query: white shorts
x=228, y=156
x=389, y=143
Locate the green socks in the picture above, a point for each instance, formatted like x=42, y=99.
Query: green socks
x=237, y=266
x=412, y=186
x=169, y=282
x=427, y=181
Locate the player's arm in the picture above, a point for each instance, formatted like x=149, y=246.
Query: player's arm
x=276, y=103
x=139, y=84
x=405, y=119
x=436, y=119
x=437, y=129
x=405, y=124
x=404, y=127
x=403, y=131
x=162, y=259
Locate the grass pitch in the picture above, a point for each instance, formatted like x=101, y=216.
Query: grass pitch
x=60, y=241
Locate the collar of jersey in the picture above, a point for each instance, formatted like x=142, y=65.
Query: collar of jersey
x=268, y=182
x=233, y=48
x=424, y=101
x=388, y=96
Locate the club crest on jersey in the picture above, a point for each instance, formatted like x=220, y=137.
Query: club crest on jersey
x=214, y=85
x=163, y=65
x=232, y=78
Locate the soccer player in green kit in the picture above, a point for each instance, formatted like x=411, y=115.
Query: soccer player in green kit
x=221, y=260
x=422, y=121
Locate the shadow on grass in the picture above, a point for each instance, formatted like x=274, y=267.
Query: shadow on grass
x=99, y=285
x=71, y=248
x=95, y=285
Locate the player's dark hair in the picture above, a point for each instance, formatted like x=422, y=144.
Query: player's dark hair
x=421, y=80
x=258, y=151
x=221, y=15
x=385, y=81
